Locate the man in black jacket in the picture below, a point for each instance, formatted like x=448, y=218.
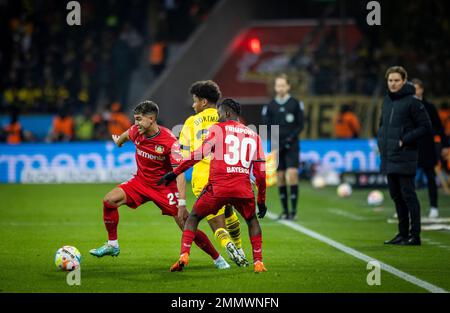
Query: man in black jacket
x=287, y=112
x=404, y=121
x=428, y=150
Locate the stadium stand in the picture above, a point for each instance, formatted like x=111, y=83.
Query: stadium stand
x=48, y=65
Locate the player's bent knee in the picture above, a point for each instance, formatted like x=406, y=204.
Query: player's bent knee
x=194, y=216
x=108, y=201
x=251, y=220
x=253, y=225
x=115, y=197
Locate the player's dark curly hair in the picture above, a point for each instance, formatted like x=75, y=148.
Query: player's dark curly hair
x=232, y=105
x=206, y=89
x=146, y=107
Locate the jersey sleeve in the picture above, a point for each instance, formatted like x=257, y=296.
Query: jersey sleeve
x=133, y=132
x=175, y=154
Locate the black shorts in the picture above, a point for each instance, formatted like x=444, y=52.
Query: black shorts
x=289, y=157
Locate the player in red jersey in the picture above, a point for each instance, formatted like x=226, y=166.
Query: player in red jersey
x=157, y=151
x=235, y=150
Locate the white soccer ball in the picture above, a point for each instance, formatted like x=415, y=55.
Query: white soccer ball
x=68, y=258
x=344, y=190
x=318, y=181
x=375, y=198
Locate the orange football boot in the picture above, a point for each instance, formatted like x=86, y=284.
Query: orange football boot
x=259, y=267
x=182, y=262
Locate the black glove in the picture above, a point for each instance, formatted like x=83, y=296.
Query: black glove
x=167, y=178
x=262, y=210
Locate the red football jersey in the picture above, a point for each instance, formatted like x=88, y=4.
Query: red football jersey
x=235, y=150
x=155, y=155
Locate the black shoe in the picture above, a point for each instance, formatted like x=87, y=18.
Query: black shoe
x=397, y=240
x=413, y=241
x=293, y=216
x=284, y=216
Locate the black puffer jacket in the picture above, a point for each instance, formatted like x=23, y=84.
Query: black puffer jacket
x=403, y=118
x=428, y=152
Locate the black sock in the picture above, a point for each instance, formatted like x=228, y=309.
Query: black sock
x=283, y=198
x=294, y=193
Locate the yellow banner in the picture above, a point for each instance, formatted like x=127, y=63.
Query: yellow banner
x=320, y=111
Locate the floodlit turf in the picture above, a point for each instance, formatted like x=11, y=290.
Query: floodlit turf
x=35, y=220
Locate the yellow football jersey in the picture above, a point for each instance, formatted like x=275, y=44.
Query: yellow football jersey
x=194, y=131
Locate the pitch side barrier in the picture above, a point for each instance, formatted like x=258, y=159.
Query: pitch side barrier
x=99, y=162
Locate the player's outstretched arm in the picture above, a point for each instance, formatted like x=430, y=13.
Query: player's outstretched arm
x=259, y=171
x=120, y=140
x=195, y=157
x=181, y=185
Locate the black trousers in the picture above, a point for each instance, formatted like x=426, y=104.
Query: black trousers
x=403, y=192
x=432, y=188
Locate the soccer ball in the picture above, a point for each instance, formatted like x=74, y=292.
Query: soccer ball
x=67, y=258
x=375, y=198
x=344, y=190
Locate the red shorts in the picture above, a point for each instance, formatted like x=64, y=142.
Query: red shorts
x=138, y=193
x=208, y=203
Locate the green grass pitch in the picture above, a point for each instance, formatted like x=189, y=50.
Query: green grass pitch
x=35, y=220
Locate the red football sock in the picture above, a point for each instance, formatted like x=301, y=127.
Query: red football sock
x=203, y=242
x=186, y=241
x=257, y=247
x=111, y=219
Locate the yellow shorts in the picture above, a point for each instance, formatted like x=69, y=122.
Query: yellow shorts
x=198, y=183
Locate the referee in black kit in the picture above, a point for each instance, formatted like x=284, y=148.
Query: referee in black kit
x=287, y=112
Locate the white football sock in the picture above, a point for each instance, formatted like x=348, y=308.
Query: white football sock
x=114, y=243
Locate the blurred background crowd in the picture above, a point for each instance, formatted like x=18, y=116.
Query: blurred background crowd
x=83, y=76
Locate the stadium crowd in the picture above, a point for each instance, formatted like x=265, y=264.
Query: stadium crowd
x=51, y=67
x=403, y=41
x=78, y=73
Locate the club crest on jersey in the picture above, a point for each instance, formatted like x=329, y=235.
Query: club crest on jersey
x=290, y=118
x=159, y=149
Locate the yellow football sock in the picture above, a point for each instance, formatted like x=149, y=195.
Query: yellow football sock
x=234, y=229
x=222, y=236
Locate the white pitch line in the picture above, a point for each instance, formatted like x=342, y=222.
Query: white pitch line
x=405, y=276
x=348, y=215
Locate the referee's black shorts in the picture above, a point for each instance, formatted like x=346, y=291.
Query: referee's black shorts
x=288, y=158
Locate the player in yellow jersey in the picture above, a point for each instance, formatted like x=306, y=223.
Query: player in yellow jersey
x=225, y=224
